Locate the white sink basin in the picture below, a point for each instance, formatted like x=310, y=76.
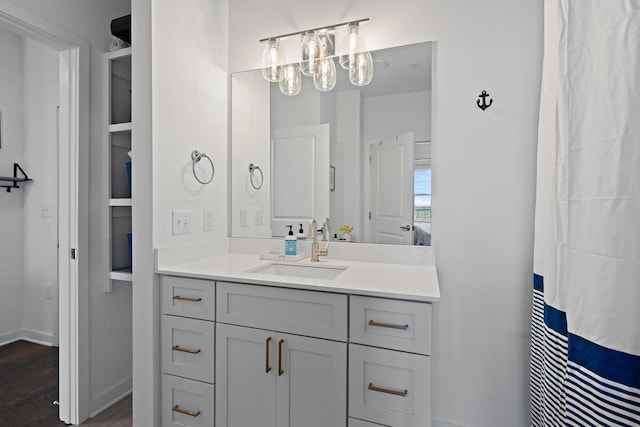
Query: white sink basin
x=293, y=270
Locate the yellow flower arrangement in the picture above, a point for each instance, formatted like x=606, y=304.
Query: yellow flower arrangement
x=346, y=228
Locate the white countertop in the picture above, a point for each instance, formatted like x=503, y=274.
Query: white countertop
x=399, y=281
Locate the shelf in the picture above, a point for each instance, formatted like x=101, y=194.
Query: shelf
x=15, y=179
x=120, y=202
x=120, y=53
x=120, y=127
x=122, y=274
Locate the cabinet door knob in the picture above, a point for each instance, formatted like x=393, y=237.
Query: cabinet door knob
x=267, y=368
x=280, y=371
x=177, y=408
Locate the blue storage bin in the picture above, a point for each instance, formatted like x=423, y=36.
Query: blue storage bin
x=129, y=239
x=128, y=164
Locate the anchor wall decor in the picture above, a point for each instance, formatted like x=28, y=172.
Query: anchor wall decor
x=483, y=106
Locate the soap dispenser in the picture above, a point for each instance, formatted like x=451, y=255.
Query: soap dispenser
x=301, y=235
x=290, y=243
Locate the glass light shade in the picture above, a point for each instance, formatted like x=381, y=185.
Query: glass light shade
x=272, y=60
x=291, y=83
x=350, y=44
x=310, y=49
x=361, y=69
x=324, y=78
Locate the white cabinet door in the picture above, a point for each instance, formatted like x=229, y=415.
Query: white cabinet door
x=312, y=382
x=246, y=377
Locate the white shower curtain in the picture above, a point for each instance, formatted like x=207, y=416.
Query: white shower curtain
x=585, y=358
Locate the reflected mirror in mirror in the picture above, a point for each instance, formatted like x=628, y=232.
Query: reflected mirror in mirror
x=358, y=155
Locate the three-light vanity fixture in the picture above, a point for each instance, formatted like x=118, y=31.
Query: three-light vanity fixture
x=318, y=48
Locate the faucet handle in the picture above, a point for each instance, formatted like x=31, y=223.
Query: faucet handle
x=313, y=225
x=326, y=229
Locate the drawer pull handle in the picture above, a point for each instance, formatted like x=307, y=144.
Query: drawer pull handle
x=185, y=350
x=189, y=299
x=388, y=325
x=267, y=368
x=177, y=408
x=402, y=393
x=280, y=371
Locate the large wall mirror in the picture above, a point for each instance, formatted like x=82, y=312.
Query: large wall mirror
x=358, y=155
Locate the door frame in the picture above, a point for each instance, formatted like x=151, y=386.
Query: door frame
x=73, y=204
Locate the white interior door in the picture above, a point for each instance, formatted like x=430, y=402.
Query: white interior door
x=392, y=190
x=299, y=177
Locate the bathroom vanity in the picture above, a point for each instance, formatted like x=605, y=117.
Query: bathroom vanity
x=247, y=342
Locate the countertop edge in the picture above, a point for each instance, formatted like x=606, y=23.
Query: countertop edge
x=429, y=296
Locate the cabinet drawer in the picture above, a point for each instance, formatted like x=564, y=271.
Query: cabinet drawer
x=389, y=387
x=186, y=402
x=188, y=297
x=399, y=325
x=316, y=314
x=188, y=348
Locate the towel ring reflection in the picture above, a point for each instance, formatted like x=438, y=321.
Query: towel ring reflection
x=196, y=156
x=252, y=169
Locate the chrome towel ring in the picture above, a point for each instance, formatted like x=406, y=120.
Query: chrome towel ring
x=196, y=156
x=252, y=169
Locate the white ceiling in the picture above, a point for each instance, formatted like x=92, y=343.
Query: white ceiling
x=409, y=70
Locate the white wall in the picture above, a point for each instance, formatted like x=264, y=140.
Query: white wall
x=252, y=94
x=11, y=225
x=109, y=314
x=41, y=93
x=346, y=157
x=190, y=111
x=483, y=185
x=391, y=115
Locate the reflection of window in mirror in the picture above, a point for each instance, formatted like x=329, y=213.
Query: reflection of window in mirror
x=422, y=194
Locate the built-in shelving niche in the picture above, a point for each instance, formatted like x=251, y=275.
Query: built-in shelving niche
x=118, y=130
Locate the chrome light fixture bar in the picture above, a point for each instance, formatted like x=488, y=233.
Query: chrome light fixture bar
x=327, y=28
x=317, y=48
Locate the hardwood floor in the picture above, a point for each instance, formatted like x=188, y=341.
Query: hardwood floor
x=29, y=385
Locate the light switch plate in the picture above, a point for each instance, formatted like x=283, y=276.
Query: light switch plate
x=208, y=220
x=258, y=218
x=243, y=218
x=181, y=222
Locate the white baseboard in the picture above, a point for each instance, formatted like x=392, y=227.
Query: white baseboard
x=10, y=337
x=26, y=335
x=107, y=398
x=38, y=337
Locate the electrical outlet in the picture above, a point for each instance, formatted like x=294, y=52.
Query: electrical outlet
x=243, y=218
x=48, y=292
x=258, y=217
x=208, y=220
x=181, y=222
x=46, y=210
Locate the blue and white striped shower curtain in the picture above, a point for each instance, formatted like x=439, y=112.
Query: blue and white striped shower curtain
x=585, y=346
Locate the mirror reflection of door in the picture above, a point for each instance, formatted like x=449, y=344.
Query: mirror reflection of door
x=300, y=177
x=391, y=189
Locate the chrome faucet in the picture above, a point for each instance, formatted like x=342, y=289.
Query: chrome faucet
x=316, y=251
